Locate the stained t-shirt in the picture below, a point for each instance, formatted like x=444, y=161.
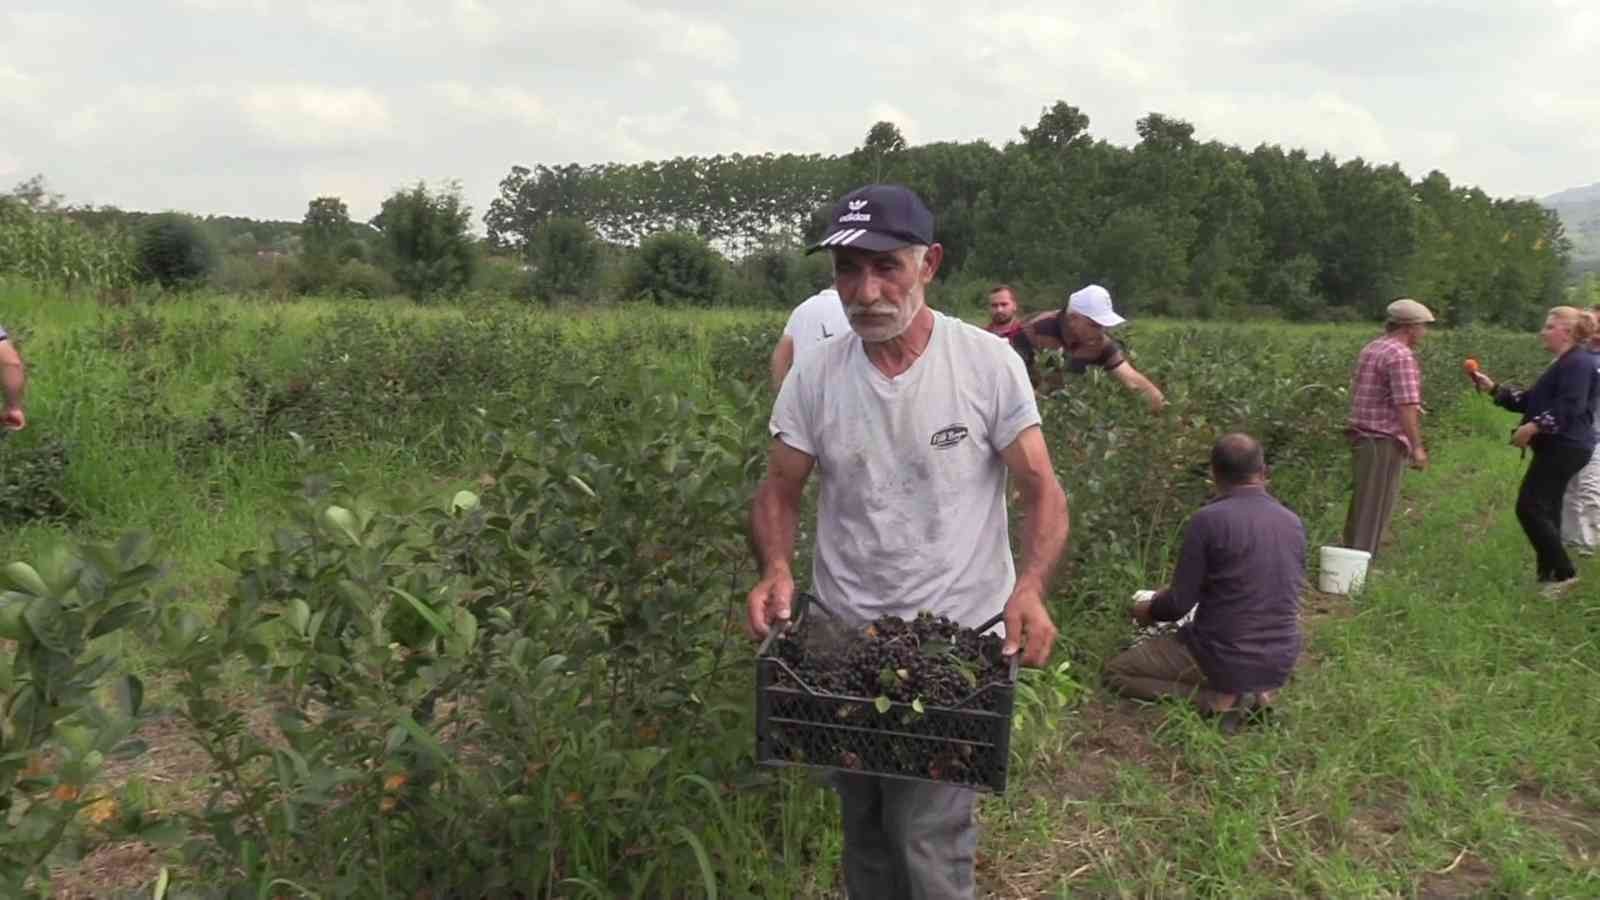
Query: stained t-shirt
x=911, y=514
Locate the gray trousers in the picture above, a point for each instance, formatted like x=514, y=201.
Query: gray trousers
x=1378, y=464
x=907, y=840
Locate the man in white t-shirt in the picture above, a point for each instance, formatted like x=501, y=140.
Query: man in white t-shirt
x=820, y=317
x=913, y=421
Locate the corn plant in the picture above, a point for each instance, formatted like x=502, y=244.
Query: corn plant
x=54, y=250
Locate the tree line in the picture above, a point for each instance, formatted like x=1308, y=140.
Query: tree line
x=1172, y=225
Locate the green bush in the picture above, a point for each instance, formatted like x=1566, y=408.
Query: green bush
x=174, y=251
x=458, y=689
x=782, y=277
x=675, y=268
x=56, y=730
x=501, y=276
x=427, y=245
x=354, y=278
x=565, y=256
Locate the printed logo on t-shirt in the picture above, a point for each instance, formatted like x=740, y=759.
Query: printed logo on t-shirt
x=948, y=437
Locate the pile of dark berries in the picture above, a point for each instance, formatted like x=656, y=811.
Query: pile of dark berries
x=930, y=660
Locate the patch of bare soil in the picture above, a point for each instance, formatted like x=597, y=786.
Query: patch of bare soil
x=110, y=870
x=1466, y=876
x=1016, y=861
x=1576, y=824
x=176, y=770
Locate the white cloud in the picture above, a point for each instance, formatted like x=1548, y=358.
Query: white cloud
x=134, y=115
x=310, y=115
x=254, y=106
x=719, y=99
x=501, y=103
x=1323, y=120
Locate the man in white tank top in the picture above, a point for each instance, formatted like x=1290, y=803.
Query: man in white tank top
x=912, y=421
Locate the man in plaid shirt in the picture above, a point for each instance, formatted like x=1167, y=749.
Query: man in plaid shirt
x=1385, y=424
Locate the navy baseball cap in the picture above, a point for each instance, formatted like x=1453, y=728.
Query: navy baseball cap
x=877, y=217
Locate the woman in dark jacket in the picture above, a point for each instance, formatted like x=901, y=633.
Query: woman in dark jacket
x=1558, y=425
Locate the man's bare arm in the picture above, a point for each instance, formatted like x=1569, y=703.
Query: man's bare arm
x=1044, y=537
x=1045, y=524
x=782, y=359
x=1135, y=380
x=1411, y=422
x=13, y=382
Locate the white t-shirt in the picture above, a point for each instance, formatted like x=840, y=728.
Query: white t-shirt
x=820, y=317
x=911, y=514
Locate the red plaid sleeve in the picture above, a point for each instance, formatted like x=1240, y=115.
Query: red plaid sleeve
x=1405, y=379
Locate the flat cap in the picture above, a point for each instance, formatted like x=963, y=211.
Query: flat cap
x=1406, y=311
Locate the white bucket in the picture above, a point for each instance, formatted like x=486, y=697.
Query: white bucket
x=1343, y=570
x=1142, y=596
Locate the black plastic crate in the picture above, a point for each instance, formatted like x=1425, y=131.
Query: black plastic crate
x=961, y=745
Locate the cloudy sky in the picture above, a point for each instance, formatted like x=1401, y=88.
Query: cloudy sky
x=253, y=107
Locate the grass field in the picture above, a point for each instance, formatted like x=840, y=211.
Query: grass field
x=1442, y=737
x=1439, y=740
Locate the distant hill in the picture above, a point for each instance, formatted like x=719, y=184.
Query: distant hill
x=1579, y=209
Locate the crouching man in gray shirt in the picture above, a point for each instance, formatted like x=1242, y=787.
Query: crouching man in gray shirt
x=1241, y=569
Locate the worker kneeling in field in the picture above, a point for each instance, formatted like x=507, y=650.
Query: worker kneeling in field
x=1079, y=331
x=1241, y=569
x=912, y=422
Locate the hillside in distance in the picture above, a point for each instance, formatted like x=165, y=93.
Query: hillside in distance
x=1579, y=209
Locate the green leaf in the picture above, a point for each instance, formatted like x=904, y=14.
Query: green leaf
x=298, y=614
x=77, y=738
x=464, y=500
x=130, y=695
x=116, y=618
x=708, y=876
x=49, y=626
x=131, y=546
x=882, y=703
x=581, y=485
x=13, y=626
x=22, y=576
x=161, y=885
x=422, y=737
x=916, y=705
x=466, y=628
x=344, y=520
x=432, y=618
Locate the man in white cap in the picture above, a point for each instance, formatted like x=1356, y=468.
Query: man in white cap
x=820, y=317
x=1385, y=425
x=1079, y=329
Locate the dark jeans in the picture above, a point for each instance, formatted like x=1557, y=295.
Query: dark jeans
x=1539, y=506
